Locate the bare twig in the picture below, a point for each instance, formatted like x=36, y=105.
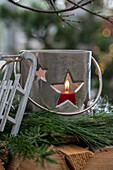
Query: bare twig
x=41, y=11
x=73, y=26
x=68, y=15
x=48, y=11
x=91, y=12
x=73, y=21
x=66, y=21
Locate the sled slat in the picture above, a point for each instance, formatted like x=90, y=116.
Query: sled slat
x=2, y=88
x=10, y=100
x=20, y=91
x=11, y=120
x=4, y=97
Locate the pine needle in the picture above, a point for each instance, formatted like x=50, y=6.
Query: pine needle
x=93, y=130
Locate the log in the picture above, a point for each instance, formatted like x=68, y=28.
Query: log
x=21, y=164
x=70, y=157
x=76, y=157
x=102, y=160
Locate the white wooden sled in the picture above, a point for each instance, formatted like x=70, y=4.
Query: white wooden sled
x=8, y=89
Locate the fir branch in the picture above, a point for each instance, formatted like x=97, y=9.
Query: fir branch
x=93, y=130
x=31, y=144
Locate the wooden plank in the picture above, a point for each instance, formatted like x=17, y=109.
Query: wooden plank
x=2, y=88
x=8, y=71
x=20, y=91
x=10, y=100
x=5, y=87
x=11, y=120
x=4, y=97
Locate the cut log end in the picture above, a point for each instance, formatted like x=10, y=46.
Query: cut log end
x=102, y=160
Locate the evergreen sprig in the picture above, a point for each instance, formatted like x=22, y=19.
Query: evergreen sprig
x=31, y=144
x=93, y=130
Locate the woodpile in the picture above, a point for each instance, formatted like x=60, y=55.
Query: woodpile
x=70, y=157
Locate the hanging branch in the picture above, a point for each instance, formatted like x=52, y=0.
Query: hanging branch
x=39, y=10
x=48, y=11
x=65, y=18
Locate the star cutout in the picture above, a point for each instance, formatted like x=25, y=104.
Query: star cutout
x=73, y=86
x=41, y=73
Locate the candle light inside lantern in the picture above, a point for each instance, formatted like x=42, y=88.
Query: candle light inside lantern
x=67, y=85
x=67, y=94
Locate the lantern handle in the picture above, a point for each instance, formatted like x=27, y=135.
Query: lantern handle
x=84, y=110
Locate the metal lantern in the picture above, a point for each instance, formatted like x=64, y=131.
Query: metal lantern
x=63, y=81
